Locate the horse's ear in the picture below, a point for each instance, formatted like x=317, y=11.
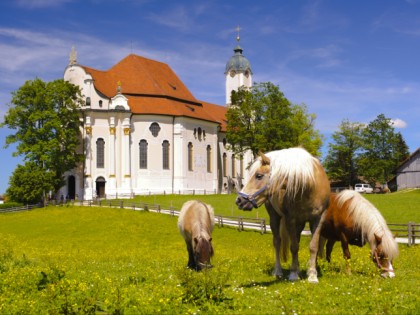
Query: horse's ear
x=264, y=159
x=378, y=239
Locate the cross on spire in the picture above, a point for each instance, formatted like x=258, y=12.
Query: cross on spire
x=237, y=36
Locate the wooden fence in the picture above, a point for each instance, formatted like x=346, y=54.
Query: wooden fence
x=409, y=232
x=20, y=208
x=405, y=233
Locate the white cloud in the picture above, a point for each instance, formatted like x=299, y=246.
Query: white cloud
x=398, y=123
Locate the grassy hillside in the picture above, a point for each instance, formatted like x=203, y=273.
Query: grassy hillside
x=86, y=259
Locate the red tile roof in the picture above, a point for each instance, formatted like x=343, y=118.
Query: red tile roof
x=152, y=87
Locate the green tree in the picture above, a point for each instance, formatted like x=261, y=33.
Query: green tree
x=341, y=160
x=381, y=150
x=46, y=119
x=263, y=119
x=29, y=183
x=401, y=151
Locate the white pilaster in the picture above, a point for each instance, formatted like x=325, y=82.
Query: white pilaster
x=125, y=158
x=88, y=181
x=179, y=158
x=112, y=181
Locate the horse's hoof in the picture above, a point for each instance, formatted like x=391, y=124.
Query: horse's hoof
x=313, y=279
x=278, y=274
x=389, y=274
x=278, y=277
x=293, y=277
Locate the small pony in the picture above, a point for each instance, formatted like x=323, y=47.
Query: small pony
x=352, y=219
x=295, y=189
x=195, y=223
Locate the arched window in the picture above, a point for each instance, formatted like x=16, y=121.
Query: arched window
x=165, y=155
x=190, y=156
x=225, y=165
x=233, y=166
x=143, y=154
x=100, y=153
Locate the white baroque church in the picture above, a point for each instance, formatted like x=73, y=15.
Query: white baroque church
x=144, y=132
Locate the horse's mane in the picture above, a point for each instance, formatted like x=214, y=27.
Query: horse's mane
x=293, y=166
x=368, y=220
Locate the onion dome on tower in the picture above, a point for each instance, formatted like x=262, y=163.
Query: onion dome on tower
x=237, y=72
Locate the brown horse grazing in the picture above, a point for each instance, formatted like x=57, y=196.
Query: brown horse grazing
x=195, y=223
x=295, y=189
x=352, y=219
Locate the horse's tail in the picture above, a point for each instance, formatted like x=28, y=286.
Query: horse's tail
x=284, y=240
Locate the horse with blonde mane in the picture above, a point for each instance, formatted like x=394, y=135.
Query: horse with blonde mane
x=352, y=219
x=295, y=189
x=195, y=223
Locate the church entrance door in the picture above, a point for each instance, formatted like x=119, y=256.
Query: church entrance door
x=71, y=187
x=100, y=187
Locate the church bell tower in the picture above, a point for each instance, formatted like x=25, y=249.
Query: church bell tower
x=238, y=71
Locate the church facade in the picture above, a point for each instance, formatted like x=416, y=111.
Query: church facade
x=144, y=132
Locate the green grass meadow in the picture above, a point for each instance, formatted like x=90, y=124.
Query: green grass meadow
x=102, y=260
x=400, y=207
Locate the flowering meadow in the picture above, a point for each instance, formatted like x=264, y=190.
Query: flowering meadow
x=90, y=260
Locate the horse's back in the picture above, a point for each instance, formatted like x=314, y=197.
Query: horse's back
x=195, y=214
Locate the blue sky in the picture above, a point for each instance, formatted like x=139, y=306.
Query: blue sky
x=343, y=59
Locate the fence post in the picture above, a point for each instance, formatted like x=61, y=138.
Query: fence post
x=263, y=229
x=240, y=223
x=410, y=233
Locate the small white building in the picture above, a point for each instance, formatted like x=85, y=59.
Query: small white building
x=144, y=132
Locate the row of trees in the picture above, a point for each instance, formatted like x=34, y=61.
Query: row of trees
x=372, y=152
x=46, y=118
x=263, y=119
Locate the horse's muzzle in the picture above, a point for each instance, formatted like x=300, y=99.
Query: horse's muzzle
x=247, y=202
x=201, y=266
x=244, y=203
